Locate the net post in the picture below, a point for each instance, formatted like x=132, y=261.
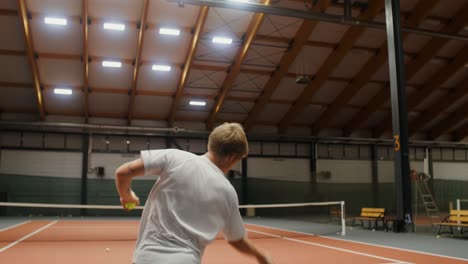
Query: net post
x=343, y=222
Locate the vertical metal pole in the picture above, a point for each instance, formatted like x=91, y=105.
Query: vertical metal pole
x=431, y=169
x=84, y=171
x=244, y=197
x=375, y=177
x=313, y=164
x=399, y=116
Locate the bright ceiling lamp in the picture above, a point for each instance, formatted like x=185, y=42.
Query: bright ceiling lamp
x=55, y=21
x=112, y=64
x=114, y=26
x=222, y=40
x=197, y=103
x=157, y=67
x=240, y=1
x=169, y=31
x=63, y=91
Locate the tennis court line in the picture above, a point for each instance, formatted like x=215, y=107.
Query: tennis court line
x=364, y=243
x=27, y=236
x=334, y=248
x=13, y=226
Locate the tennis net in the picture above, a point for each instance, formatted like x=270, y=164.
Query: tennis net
x=68, y=222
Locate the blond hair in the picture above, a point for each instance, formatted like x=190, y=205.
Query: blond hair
x=228, y=139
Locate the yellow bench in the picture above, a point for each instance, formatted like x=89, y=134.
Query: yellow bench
x=457, y=218
x=371, y=215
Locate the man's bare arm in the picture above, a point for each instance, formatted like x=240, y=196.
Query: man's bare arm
x=123, y=180
x=246, y=247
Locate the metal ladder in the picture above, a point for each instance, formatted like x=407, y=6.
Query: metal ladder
x=428, y=201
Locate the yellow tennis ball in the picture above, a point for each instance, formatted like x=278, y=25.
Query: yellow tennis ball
x=130, y=206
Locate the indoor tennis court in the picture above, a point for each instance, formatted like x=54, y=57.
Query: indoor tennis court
x=353, y=144
x=110, y=241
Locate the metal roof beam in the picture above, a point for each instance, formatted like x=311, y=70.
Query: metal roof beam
x=307, y=15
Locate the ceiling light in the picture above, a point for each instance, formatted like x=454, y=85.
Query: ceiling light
x=55, y=21
x=113, y=64
x=63, y=91
x=113, y=26
x=240, y=1
x=222, y=40
x=165, y=68
x=169, y=31
x=197, y=103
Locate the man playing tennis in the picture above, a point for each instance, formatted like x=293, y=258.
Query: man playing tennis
x=191, y=201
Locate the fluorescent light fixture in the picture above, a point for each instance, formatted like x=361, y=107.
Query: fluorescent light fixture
x=240, y=1
x=197, y=103
x=161, y=68
x=169, y=31
x=55, y=21
x=113, y=26
x=63, y=91
x=113, y=64
x=222, y=40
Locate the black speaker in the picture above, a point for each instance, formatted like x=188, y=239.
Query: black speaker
x=100, y=171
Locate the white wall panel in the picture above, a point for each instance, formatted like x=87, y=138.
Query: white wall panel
x=110, y=162
x=451, y=171
x=279, y=169
x=345, y=171
x=11, y=139
x=386, y=170
x=41, y=163
x=54, y=141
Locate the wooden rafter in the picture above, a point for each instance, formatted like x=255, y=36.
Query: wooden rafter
x=460, y=60
x=346, y=44
x=31, y=56
x=136, y=67
x=295, y=48
x=85, y=58
x=202, y=15
x=424, y=56
x=455, y=118
x=236, y=66
x=451, y=98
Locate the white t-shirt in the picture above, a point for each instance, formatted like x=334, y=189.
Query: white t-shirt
x=191, y=202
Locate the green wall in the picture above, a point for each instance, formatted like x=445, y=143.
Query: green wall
x=35, y=189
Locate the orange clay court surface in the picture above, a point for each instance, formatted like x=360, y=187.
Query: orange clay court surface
x=46, y=242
